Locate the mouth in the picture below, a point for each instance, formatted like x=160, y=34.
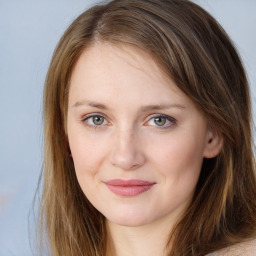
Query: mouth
x=129, y=188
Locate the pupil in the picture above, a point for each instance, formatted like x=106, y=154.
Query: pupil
x=97, y=120
x=160, y=121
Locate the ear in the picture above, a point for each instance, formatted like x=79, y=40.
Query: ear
x=213, y=144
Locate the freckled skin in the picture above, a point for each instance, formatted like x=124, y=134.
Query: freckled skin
x=129, y=144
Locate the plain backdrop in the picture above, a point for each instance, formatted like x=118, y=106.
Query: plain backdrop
x=29, y=31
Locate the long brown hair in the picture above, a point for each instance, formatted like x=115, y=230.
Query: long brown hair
x=196, y=53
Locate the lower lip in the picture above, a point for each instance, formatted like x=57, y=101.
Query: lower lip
x=129, y=191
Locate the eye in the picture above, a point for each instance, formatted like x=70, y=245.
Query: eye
x=95, y=120
x=162, y=121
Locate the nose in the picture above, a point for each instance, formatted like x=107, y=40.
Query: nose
x=127, y=152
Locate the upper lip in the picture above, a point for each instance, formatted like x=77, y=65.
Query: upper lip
x=128, y=183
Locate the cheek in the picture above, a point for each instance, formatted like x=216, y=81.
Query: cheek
x=88, y=153
x=179, y=164
x=179, y=157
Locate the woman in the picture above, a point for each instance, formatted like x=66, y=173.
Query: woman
x=148, y=146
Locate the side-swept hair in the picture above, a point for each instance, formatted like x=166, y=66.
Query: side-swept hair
x=196, y=53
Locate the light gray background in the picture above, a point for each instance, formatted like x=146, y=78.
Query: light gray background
x=29, y=31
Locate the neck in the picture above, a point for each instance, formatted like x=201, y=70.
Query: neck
x=147, y=240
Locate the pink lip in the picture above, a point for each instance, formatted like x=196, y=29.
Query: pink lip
x=129, y=187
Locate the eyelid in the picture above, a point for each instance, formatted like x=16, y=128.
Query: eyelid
x=84, y=117
x=87, y=116
x=171, y=119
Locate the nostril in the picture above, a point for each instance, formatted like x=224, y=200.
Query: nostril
x=127, y=158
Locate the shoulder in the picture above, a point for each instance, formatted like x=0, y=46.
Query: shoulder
x=243, y=249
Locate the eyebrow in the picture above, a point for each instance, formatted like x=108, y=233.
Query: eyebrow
x=90, y=103
x=148, y=108
x=145, y=108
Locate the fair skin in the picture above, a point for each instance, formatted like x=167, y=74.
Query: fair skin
x=137, y=143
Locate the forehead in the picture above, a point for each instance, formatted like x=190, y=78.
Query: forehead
x=103, y=56
x=105, y=72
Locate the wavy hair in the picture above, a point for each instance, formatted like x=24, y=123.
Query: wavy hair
x=197, y=54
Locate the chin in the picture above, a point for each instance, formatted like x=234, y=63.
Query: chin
x=129, y=220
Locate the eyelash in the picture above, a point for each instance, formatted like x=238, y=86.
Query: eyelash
x=170, y=119
x=86, y=118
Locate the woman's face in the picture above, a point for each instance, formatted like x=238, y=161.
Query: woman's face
x=137, y=141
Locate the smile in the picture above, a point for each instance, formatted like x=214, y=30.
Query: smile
x=129, y=188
